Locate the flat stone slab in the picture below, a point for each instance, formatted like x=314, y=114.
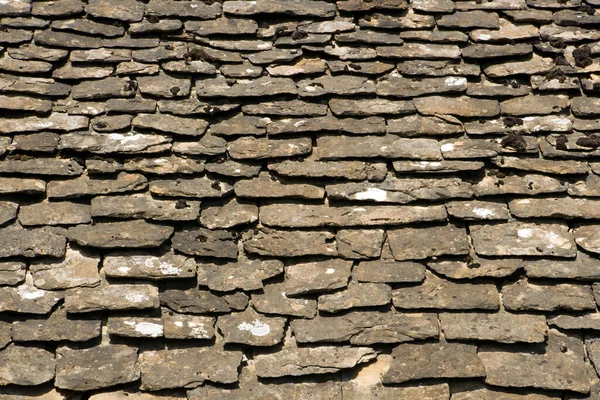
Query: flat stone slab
x=130, y=234
x=460, y=106
x=55, y=213
x=356, y=295
x=141, y=266
x=198, y=188
x=89, y=186
x=522, y=295
x=280, y=243
x=206, y=243
x=316, y=277
x=79, y=268
x=389, y=146
x=251, y=328
x=133, y=326
x=187, y=326
x=26, y=366
x=499, y=327
x=349, y=170
x=584, y=267
x=273, y=300
x=143, y=205
x=197, y=301
x=46, y=241
x=474, y=266
x=478, y=210
x=112, y=297
x=423, y=242
x=388, y=271
x=359, y=243
x=245, y=274
x=58, y=326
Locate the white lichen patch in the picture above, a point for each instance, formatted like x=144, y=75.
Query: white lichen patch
x=135, y=297
x=30, y=292
x=483, y=212
x=330, y=271
x=257, y=328
x=150, y=329
x=447, y=147
x=484, y=36
x=455, y=81
x=168, y=269
x=525, y=233
x=372, y=194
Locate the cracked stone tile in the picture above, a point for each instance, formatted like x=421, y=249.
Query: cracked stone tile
x=246, y=274
x=58, y=326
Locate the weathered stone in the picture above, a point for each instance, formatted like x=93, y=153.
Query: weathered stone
x=111, y=123
x=476, y=210
x=245, y=274
x=560, y=367
x=311, y=360
x=133, y=326
x=359, y=244
x=26, y=298
x=349, y=170
x=300, y=8
x=405, y=87
x=185, y=326
x=387, y=271
x=588, y=321
x=165, y=52
x=423, y=242
x=45, y=142
x=243, y=70
x=261, y=148
x=164, y=86
x=367, y=36
x=241, y=125
x=126, y=11
x=523, y=239
x=478, y=51
x=368, y=107
x=86, y=186
x=366, y=328
x=133, y=265
x=274, y=300
x=31, y=85
x=460, y=106
x=356, y=295
x=523, y=295
x=469, y=19
x=584, y=267
x=23, y=103
x=280, y=243
x=165, y=25
x=568, y=33
x=535, y=65
x=530, y=184
x=143, y=205
x=293, y=215
x=8, y=211
x=55, y=122
x=54, y=213
x=24, y=365
x=541, y=165
x=208, y=145
x=507, y=31
x=96, y=367
x=12, y=273
x=286, y=108
x=486, y=88
x=493, y=5
x=112, y=297
x=88, y=27
x=534, y=104
x=500, y=327
x=170, y=124
x=66, y=39
x=259, y=87
x=198, y=301
x=190, y=187
x=222, y=26
x=416, y=125
x=557, y=207
x=126, y=143
x=483, y=392
x=126, y=234
x=187, y=367
x=362, y=126
x=433, y=360
x=339, y=85
x=193, y=106
x=77, y=72
x=447, y=166
x=585, y=106
x=436, y=292
x=266, y=187
x=363, y=67
x=341, y=147
x=251, y=328
x=228, y=215
x=165, y=165
x=476, y=267
x=10, y=64
x=586, y=238
x=41, y=166
x=56, y=327
x=420, y=51
x=78, y=269
x=136, y=68
x=316, y=277
x=193, y=9
x=206, y=243
x=15, y=8
x=45, y=241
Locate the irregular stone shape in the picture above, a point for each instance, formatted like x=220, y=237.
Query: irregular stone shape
x=349, y=170
x=190, y=187
x=222, y=26
x=423, y=242
x=500, y=327
x=481, y=392
x=339, y=85
x=169, y=25
x=112, y=297
x=436, y=166
x=41, y=166
x=364, y=126
x=278, y=243
x=251, y=328
x=46, y=142
x=12, y=273
x=26, y=298
x=534, y=104
x=143, y=205
x=368, y=107
x=8, y=211
x=23, y=103
x=530, y=184
x=274, y=300
x=460, y=106
x=415, y=125
x=558, y=207
x=403, y=190
x=58, y=326
x=419, y=50
x=476, y=267
x=170, y=124
x=78, y=269
x=133, y=265
x=541, y=165
x=588, y=321
x=366, y=328
x=433, y=360
x=185, y=326
x=478, y=210
x=208, y=145
x=15, y=8
x=585, y=106
x=66, y=39
x=262, y=148
x=560, y=367
x=10, y=64
x=266, y=187
x=259, y=87
x=26, y=366
x=387, y=271
x=469, y=19
x=206, y=243
x=54, y=122
x=355, y=296
x=436, y=292
x=311, y=360
x=523, y=239
x=126, y=11
x=536, y=65
x=245, y=274
x=586, y=238
x=228, y=215
x=289, y=108
x=478, y=51
x=300, y=8
x=165, y=165
x=54, y=213
x=136, y=233
x=405, y=87
x=164, y=86
x=72, y=72
x=198, y=301
x=584, y=267
x=359, y=244
x=523, y=295
x=87, y=27
x=137, y=327
x=188, y=367
x=294, y=215
x=86, y=186
x=126, y=143
x=193, y=9
x=45, y=241
x=240, y=125
x=96, y=367
x=316, y=277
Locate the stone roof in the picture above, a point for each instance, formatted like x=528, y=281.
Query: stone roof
x=294, y=199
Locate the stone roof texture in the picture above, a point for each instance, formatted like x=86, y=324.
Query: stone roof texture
x=299, y=199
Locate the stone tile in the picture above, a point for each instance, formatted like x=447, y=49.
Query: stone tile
x=137, y=234
x=500, y=327
x=58, y=326
x=228, y=215
x=251, y=148
x=26, y=298
x=474, y=266
x=206, y=243
x=348, y=170
x=26, y=366
x=251, y=328
x=530, y=184
x=12, y=273
x=273, y=300
x=198, y=301
x=79, y=268
x=423, y=242
x=143, y=205
x=359, y=244
x=89, y=186
x=170, y=124
x=142, y=266
x=35, y=242
x=478, y=210
x=112, y=297
x=388, y=271
x=523, y=295
x=356, y=295
x=187, y=326
x=316, y=277
x=125, y=143
x=265, y=186
x=461, y=106
x=54, y=122
x=134, y=326
x=280, y=243
x=198, y=188
x=245, y=274
x=54, y=213
x=554, y=207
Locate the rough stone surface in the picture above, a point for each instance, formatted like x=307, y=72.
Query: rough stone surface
x=500, y=327
x=120, y=234
x=112, y=297
x=26, y=366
